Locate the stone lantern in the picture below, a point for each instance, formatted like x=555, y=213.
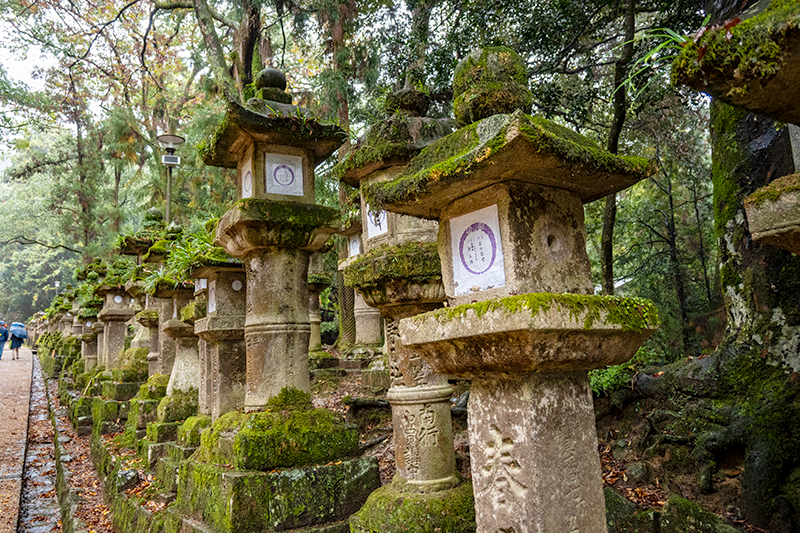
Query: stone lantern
x=274, y=227
x=115, y=314
x=223, y=365
x=88, y=316
x=522, y=324
x=399, y=274
x=765, y=84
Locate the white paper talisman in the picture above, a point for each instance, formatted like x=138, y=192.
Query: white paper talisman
x=212, y=296
x=477, y=251
x=354, y=245
x=284, y=174
x=247, y=179
x=376, y=223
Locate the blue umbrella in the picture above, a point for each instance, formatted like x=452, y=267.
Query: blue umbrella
x=18, y=330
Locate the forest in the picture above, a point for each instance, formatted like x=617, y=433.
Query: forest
x=83, y=163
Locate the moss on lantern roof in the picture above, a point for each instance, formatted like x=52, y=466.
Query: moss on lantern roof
x=773, y=191
x=290, y=213
x=272, y=122
x=413, y=261
x=390, y=142
x=558, y=157
x=752, y=63
x=630, y=314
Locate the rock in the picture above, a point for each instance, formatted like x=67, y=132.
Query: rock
x=126, y=479
x=683, y=516
x=622, y=515
x=639, y=471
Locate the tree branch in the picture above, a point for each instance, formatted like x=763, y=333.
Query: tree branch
x=20, y=239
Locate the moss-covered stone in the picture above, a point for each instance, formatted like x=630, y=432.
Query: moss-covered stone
x=162, y=431
x=774, y=190
x=193, y=311
x=179, y=405
x=124, y=391
x=189, y=431
x=132, y=366
x=268, y=440
x=750, y=63
x=155, y=388
x=453, y=158
x=488, y=82
x=396, y=508
x=392, y=141
x=279, y=123
x=623, y=516
x=243, y=502
x=409, y=262
x=631, y=314
x=682, y=516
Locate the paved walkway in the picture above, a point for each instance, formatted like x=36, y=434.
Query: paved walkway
x=15, y=393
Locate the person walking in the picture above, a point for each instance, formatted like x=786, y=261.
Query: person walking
x=3, y=337
x=18, y=335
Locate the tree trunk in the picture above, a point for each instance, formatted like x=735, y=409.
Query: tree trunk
x=214, y=51
x=761, y=287
x=619, y=110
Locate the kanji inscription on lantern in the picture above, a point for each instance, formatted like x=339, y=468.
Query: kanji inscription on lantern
x=284, y=174
x=212, y=296
x=503, y=470
x=247, y=179
x=477, y=251
x=376, y=223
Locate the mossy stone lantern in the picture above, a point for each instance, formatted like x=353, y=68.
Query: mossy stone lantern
x=522, y=323
x=274, y=227
x=762, y=80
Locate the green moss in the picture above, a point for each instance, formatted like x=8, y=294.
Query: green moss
x=320, y=279
x=193, y=311
x=189, y=432
x=409, y=262
x=147, y=314
x=396, y=508
x=155, y=388
x=290, y=399
x=398, y=138
x=774, y=191
x=727, y=156
x=179, y=405
x=748, y=52
x=289, y=213
x=294, y=436
x=469, y=149
x=681, y=515
x=133, y=365
x=631, y=314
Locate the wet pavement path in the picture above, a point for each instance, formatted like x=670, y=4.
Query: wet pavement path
x=15, y=386
x=39, y=511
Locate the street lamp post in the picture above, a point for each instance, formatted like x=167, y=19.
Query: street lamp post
x=170, y=142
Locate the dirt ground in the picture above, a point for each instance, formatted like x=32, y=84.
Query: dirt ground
x=15, y=387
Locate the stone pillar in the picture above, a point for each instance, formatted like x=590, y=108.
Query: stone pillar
x=166, y=348
x=141, y=333
x=205, y=388
x=88, y=345
x=317, y=282
x=420, y=399
x=368, y=322
x=276, y=329
x=148, y=318
x=115, y=315
x=185, y=373
x=223, y=332
x=97, y=327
